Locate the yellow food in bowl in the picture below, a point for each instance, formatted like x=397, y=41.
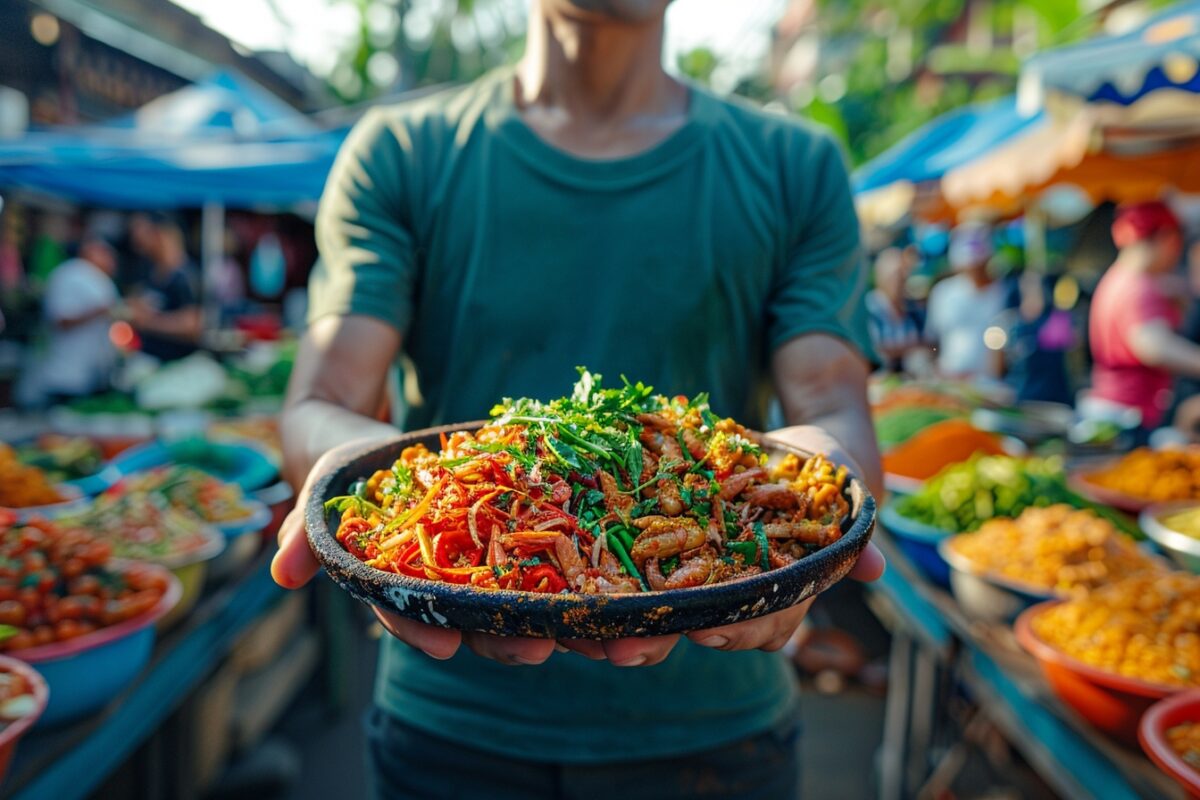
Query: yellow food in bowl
x=1146, y=627
x=1157, y=475
x=1185, y=740
x=1059, y=549
x=1186, y=522
x=22, y=486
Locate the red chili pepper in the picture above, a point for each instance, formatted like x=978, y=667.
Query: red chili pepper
x=404, y=564
x=450, y=546
x=543, y=578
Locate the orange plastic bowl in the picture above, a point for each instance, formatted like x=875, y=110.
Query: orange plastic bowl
x=1152, y=733
x=41, y=694
x=1111, y=702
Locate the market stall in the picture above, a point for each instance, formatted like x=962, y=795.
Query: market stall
x=963, y=608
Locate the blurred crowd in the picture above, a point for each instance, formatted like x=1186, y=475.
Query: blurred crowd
x=88, y=289
x=1118, y=340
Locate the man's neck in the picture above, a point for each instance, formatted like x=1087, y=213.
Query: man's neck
x=586, y=79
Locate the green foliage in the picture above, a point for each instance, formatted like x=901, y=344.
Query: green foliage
x=698, y=64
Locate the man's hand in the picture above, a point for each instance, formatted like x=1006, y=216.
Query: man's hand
x=774, y=630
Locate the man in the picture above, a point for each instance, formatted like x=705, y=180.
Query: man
x=78, y=303
x=583, y=208
x=1134, y=316
x=165, y=309
x=965, y=305
x=895, y=322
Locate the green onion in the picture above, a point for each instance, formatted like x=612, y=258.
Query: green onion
x=747, y=550
x=615, y=545
x=760, y=535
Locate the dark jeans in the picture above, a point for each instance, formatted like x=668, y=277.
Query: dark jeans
x=405, y=762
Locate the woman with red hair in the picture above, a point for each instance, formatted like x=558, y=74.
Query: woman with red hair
x=1134, y=316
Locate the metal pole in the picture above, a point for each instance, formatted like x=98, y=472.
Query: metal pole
x=212, y=251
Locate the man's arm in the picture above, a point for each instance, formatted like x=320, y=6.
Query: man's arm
x=822, y=385
x=184, y=323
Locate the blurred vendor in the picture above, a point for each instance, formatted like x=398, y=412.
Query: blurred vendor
x=895, y=321
x=1134, y=317
x=78, y=304
x=165, y=309
x=963, y=306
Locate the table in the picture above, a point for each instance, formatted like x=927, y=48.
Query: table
x=72, y=762
x=934, y=647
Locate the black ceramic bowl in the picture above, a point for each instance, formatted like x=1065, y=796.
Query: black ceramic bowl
x=573, y=616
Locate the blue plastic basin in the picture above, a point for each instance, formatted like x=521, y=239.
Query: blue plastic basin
x=919, y=542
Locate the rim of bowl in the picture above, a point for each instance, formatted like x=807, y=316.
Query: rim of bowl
x=1042, y=651
x=258, y=518
x=1150, y=522
x=102, y=636
x=41, y=696
x=316, y=518
x=961, y=563
x=1152, y=736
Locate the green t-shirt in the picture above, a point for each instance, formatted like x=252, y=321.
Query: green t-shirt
x=506, y=262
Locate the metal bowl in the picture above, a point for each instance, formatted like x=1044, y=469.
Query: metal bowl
x=986, y=597
x=1183, y=549
x=572, y=615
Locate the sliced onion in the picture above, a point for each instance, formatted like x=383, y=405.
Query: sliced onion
x=546, y=525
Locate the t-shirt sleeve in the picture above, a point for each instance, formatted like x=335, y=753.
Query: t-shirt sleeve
x=71, y=294
x=367, y=255
x=823, y=280
x=1149, y=303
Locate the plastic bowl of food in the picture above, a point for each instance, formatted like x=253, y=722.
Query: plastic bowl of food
x=987, y=597
x=86, y=672
x=919, y=542
x=1182, y=547
x=241, y=540
x=1154, y=733
x=1112, y=703
x=22, y=708
x=573, y=614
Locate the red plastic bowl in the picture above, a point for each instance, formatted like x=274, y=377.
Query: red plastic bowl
x=41, y=694
x=1152, y=733
x=1111, y=702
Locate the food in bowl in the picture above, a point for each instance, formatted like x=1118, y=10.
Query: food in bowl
x=1060, y=549
x=63, y=458
x=938, y=446
x=1146, y=627
x=1154, y=475
x=58, y=583
x=23, y=486
x=606, y=491
x=1186, y=521
x=1185, y=740
x=900, y=424
x=192, y=490
x=17, y=698
x=145, y=527
x=964, y=496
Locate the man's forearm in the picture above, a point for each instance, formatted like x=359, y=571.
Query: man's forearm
x=312, y=427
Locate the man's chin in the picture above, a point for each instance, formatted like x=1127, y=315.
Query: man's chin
x=630, y=11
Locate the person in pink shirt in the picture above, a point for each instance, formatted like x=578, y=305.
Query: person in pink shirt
x=1135, y=348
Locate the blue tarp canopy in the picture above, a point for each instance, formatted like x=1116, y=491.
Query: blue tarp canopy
x=223, y=140
x=1162, y=53
x=952, y=140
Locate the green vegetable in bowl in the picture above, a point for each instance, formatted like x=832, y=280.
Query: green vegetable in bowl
x=899, y=425
x=964, y=496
